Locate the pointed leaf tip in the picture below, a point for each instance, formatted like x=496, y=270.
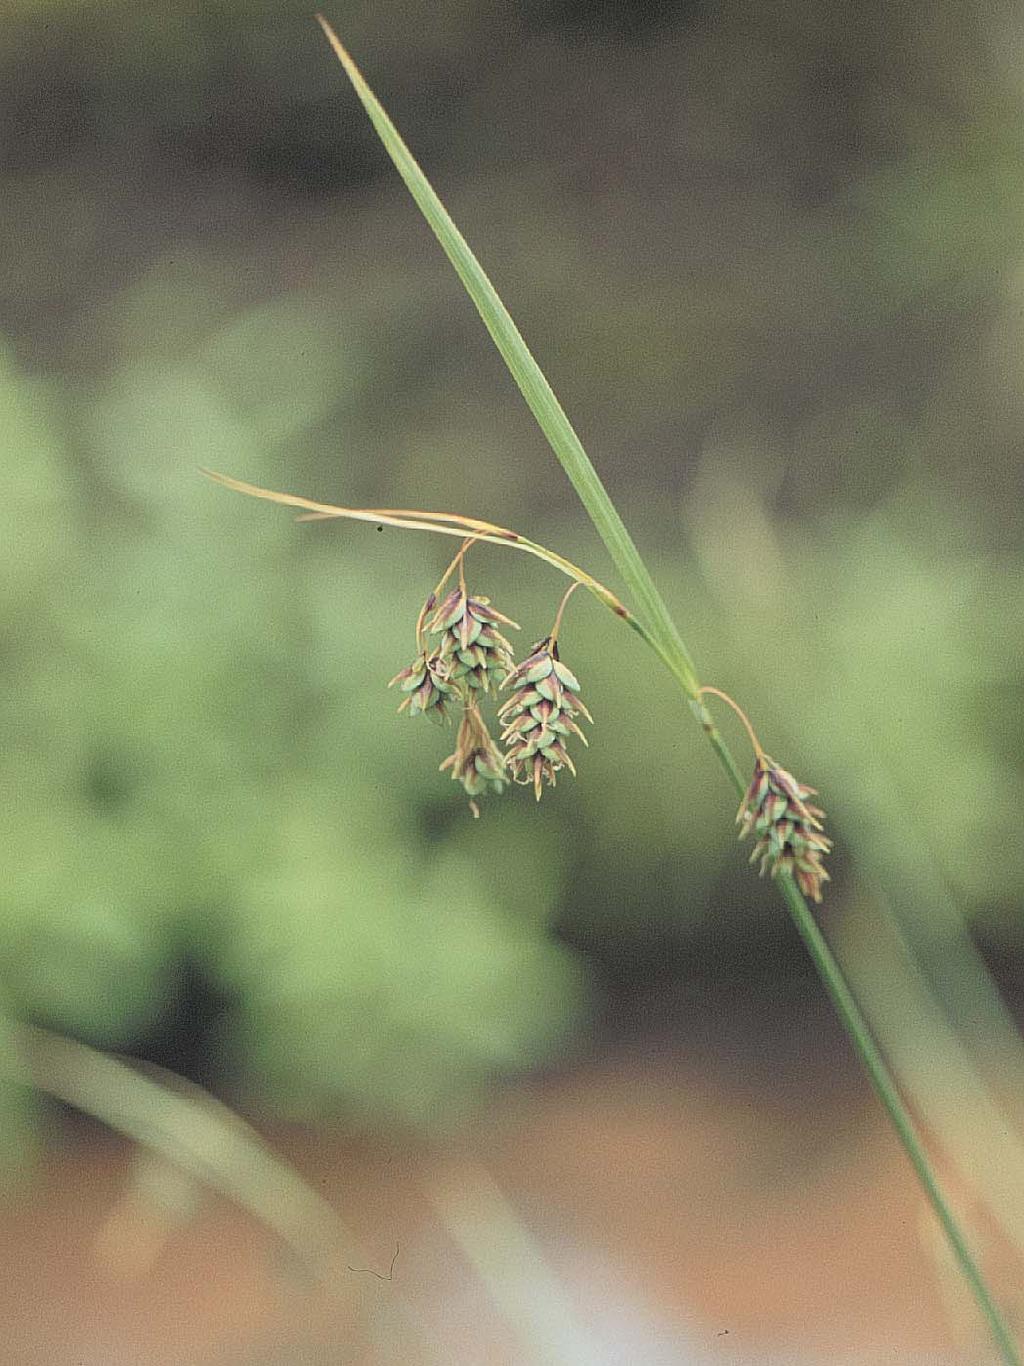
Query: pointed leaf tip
x=337, y=46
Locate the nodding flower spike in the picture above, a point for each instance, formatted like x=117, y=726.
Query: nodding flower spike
x=540, y=715
x=425, y=683
x=477, y=763
x=788, y=830
x=477, y=655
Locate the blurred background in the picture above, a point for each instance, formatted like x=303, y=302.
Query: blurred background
x=571, y=1059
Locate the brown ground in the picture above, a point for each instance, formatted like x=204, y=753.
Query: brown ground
x=685, y=1225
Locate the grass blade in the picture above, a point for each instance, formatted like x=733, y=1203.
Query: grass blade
x=534, y=386
x=664, y=636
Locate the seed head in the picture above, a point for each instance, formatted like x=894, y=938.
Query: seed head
x=426, y=684
x=477, y=763
x=787, y=829
x=539, y=715
x=477, y=655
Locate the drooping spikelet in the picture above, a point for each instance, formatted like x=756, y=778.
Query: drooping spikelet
x=477, y=763
x=787, y=829
x=539, y=716
x=477, y=655
x=426, y=684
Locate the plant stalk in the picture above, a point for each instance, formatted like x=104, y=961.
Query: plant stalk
x=885, y=1088
x=657, y=626
x=532, y=382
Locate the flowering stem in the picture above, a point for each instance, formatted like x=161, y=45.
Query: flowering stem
x=884, y=1084
x=458, y=562
x=455, y=524
x=421, y=620
x=879, y=1073
x=717, y=743
x=654, y=622
x=553, y=637
x=532, y=382
x=853, y=1020
x=717, y=692
x=421, y=638
x=828, y=968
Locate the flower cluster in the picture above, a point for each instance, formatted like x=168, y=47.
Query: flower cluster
x=471, y=645
x=470, y=660
x=426, y=683
x=463, y=659
x=539, y=716
x=477, y=763
x=787, y=829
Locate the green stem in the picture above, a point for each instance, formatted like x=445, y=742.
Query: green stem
x=886, y=1090
x=532, y=382
x=454, y=524
x=879, y=1074
x=657, y=627
x=718, y=744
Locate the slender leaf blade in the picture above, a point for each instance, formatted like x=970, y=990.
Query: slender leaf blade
x=531, y=381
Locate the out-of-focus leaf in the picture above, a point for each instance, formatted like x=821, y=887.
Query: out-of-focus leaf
x=387, y=987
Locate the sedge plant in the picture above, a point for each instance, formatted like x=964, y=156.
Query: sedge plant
x=464, y=663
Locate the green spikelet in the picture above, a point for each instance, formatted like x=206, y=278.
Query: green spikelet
x=425, y=683
x=475, y=652
x=787, y=830
x=540, y=715
x=477, y=763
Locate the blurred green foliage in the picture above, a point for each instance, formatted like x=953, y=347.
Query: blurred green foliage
x=203, y=755
x=776, y=277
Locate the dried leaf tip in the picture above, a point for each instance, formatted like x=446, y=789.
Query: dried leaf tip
x=788, y=830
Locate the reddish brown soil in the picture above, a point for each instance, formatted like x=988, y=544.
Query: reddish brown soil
x=735, y=1230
